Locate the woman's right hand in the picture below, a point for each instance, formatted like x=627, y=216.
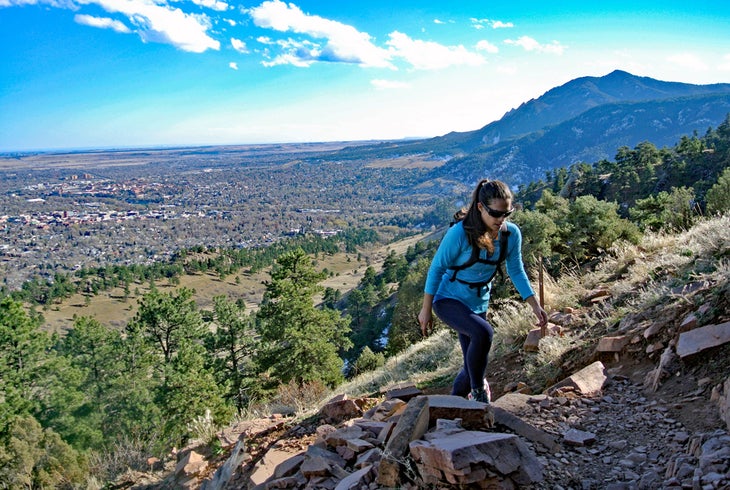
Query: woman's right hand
x=425, y=319
x=425, y=316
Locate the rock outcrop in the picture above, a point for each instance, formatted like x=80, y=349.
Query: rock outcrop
x=420, y=443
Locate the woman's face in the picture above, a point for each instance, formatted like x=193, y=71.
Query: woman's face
x=494, y=214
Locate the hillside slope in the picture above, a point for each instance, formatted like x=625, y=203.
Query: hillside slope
x=650, y=421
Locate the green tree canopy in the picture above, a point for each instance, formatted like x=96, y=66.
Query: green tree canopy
x=233, y=343
x=299, y=342
x=718, y=197
x=166, y=319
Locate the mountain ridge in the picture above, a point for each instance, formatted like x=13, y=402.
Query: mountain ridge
x=579, y=95
x=591, y=136
x=585, y=106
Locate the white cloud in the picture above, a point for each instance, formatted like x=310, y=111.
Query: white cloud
x=102, y=22
x=494, y=24
x=233, y=65
x=239, y=45
x=288, y=59
x=530, y=44
x=389, y=84
x=437, y=21
x=688, y=60
x=153, y=22
x=212, y=4
x=53, y=3
x=231, y=22
x=427, y=55
x=486, y=46
x=343, y=43
x=163, y=24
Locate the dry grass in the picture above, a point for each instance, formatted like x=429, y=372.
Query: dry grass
x=431, y=358
x=409, y=161
x=512, y=321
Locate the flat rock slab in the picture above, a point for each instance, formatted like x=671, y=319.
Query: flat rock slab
x=469, y=456
x=588, y=381
x=473, y=415
x=404, y=393
x=613, y=344
x=703, y=338
x=532, y=342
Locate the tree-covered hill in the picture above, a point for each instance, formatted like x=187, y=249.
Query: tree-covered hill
x=593, y=135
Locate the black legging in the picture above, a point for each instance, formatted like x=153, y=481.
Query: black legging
x=475, y=337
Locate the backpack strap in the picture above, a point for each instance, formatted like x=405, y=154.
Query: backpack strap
x=474, y=258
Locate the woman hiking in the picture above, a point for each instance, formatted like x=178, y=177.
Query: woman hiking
x=458, y=284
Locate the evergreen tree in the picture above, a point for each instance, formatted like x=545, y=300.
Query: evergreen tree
x=539, y=235
x=718, y=197
x=404, y=329
x=132, y=405
x=166, y=319
x=331, y=297
x=673, y=210
x=94, y=350
x=299, y=342
x=190, y=394
x=36, y=386
x=34, y=457
x=22, y=351
x=233, y=344
x=367, y=361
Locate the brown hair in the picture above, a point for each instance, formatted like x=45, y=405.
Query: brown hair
x=476, y=231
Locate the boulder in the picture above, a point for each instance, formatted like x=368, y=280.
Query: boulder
x=412, y=424
x=588, y=381
x=703, y=338
x=473, y=415
x=468, y=457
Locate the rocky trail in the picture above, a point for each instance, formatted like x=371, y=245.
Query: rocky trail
x=646, y=407
x=603, y=428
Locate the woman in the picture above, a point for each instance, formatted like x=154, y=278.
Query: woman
x=457, y=286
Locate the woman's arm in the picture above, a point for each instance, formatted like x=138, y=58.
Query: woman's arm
x=514, y=265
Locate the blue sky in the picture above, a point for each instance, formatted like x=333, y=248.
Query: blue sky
x=131, y=73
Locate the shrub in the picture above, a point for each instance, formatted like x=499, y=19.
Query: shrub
x=718, y=197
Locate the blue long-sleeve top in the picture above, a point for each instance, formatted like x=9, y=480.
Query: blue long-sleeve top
x=455, y=250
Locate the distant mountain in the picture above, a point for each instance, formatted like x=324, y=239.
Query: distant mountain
x=574, y=98
x=591, y=136
x=586, y=119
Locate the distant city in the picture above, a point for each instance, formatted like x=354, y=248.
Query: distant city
x=55, y=218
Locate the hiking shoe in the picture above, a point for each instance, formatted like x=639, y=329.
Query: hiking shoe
x=486, y=389
x=479, y=395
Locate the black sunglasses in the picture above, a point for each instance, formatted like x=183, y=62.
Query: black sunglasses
x=497, y=214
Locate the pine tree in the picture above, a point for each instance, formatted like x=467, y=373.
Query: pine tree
x=23, y=351
x=718, y=197
x=299, y=342
x=166, y=319
x=232, y=345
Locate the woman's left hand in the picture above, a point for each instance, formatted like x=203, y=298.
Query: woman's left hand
x=540, y=313
x=542, y=317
